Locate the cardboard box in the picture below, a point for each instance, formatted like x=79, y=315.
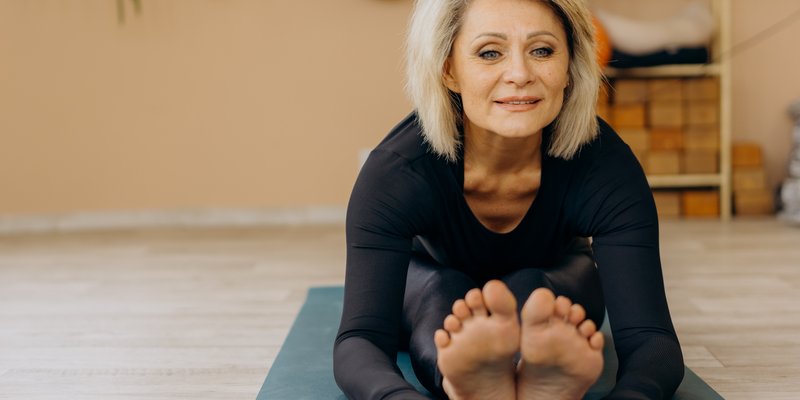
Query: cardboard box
x=698, y=138
x=701, y=89
x=666, y=139
x=628, y=115
x=637, y=139
x=665, y=90
x=700, y=162
x=628, y=91
x=746, y=155
x=668, y=203
x=665, y=162
x=665, y=114
x=753, y=202
x=749, y=179
x=702, y=113
x=700, y=203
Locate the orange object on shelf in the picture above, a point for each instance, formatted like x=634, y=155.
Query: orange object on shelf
x=700, y=162
x=603, y=43
x=701, y=89
x=665, y=162
x=747, y=155
x=630, y=91
x=701, y=138
x=668, y=203
x=665, y=114
x=753, y=202
x=628, y=116
x=665, y=89
x=702, y=113
x=700, y=203
x=666, y=139
x=749, y=178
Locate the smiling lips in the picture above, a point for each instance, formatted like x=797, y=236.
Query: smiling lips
x=523, y=103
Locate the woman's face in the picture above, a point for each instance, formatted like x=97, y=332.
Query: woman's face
x=510, y=64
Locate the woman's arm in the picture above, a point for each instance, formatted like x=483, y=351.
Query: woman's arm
x=382, y=219
x=366, y=347
x=650, y=359
x=616, y=208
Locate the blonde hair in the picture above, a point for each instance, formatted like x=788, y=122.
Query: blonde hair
x=432, y=30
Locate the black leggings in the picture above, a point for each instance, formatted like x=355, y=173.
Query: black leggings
x=431, y=290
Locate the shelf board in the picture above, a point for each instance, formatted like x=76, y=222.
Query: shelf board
x=664, y=71
x=684, y=180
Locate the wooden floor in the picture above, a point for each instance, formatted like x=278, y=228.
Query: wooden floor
x=190, y=314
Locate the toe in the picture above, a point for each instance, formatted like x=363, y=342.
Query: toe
x=441, y=338
x=499, y=299
x=539, y=307
x=461, y=310
x=474, y=300
x=576, y=314
x=452, y=324
x=587, y=328
x=597, y=340
x=562, y=307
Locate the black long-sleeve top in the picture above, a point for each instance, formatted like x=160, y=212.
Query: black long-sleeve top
x=406, y=194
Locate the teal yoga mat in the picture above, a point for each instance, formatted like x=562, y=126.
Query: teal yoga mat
x=304, y=367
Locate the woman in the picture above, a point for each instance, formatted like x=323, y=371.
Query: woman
x=465, y=226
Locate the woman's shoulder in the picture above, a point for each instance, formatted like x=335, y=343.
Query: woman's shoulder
x=605, y=143
x=402, y=161
x=394, y=185
x=405, y=140
x=607, y=151
x=606, y=162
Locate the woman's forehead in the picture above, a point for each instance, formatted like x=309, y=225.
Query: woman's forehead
x=509, y=17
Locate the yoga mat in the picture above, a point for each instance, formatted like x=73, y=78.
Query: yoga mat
x=304, y=366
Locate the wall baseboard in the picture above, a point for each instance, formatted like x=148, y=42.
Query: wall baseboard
x=204, y=218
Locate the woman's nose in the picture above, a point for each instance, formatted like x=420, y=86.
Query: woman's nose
x=519, y=71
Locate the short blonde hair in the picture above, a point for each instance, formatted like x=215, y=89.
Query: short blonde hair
x=432, y=30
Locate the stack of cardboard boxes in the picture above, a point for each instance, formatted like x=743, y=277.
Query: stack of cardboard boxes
x=672, y=126
x=750, y=193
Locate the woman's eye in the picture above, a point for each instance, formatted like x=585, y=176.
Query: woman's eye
x=542, y=52
x=489, y=55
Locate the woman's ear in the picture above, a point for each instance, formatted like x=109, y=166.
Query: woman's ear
x=449, y=79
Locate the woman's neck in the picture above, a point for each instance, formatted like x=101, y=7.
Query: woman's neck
x=495, y=154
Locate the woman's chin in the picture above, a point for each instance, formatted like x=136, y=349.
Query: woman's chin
x=517, y=133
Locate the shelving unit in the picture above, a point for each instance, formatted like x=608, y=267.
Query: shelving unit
x=720, y=70
x=666, y=71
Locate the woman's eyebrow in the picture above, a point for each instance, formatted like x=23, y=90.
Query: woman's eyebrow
x=504, y=37
x=542, y=33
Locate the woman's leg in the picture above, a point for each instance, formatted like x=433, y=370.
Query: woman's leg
x=561, y=349
x=431, y=290
x=574, y=277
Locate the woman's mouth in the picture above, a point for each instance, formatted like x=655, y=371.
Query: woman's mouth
x=518, y=103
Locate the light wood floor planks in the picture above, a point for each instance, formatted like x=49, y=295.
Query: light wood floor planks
x=180, y=314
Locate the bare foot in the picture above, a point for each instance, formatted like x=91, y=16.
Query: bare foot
x=476, y=348
x=561, y=350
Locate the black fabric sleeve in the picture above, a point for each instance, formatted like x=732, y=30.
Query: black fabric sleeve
x=616, y=208
x=382, y=219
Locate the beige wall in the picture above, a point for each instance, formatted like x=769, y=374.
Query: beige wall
x=193, y=104
x=766, y=79
x=248, y=103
